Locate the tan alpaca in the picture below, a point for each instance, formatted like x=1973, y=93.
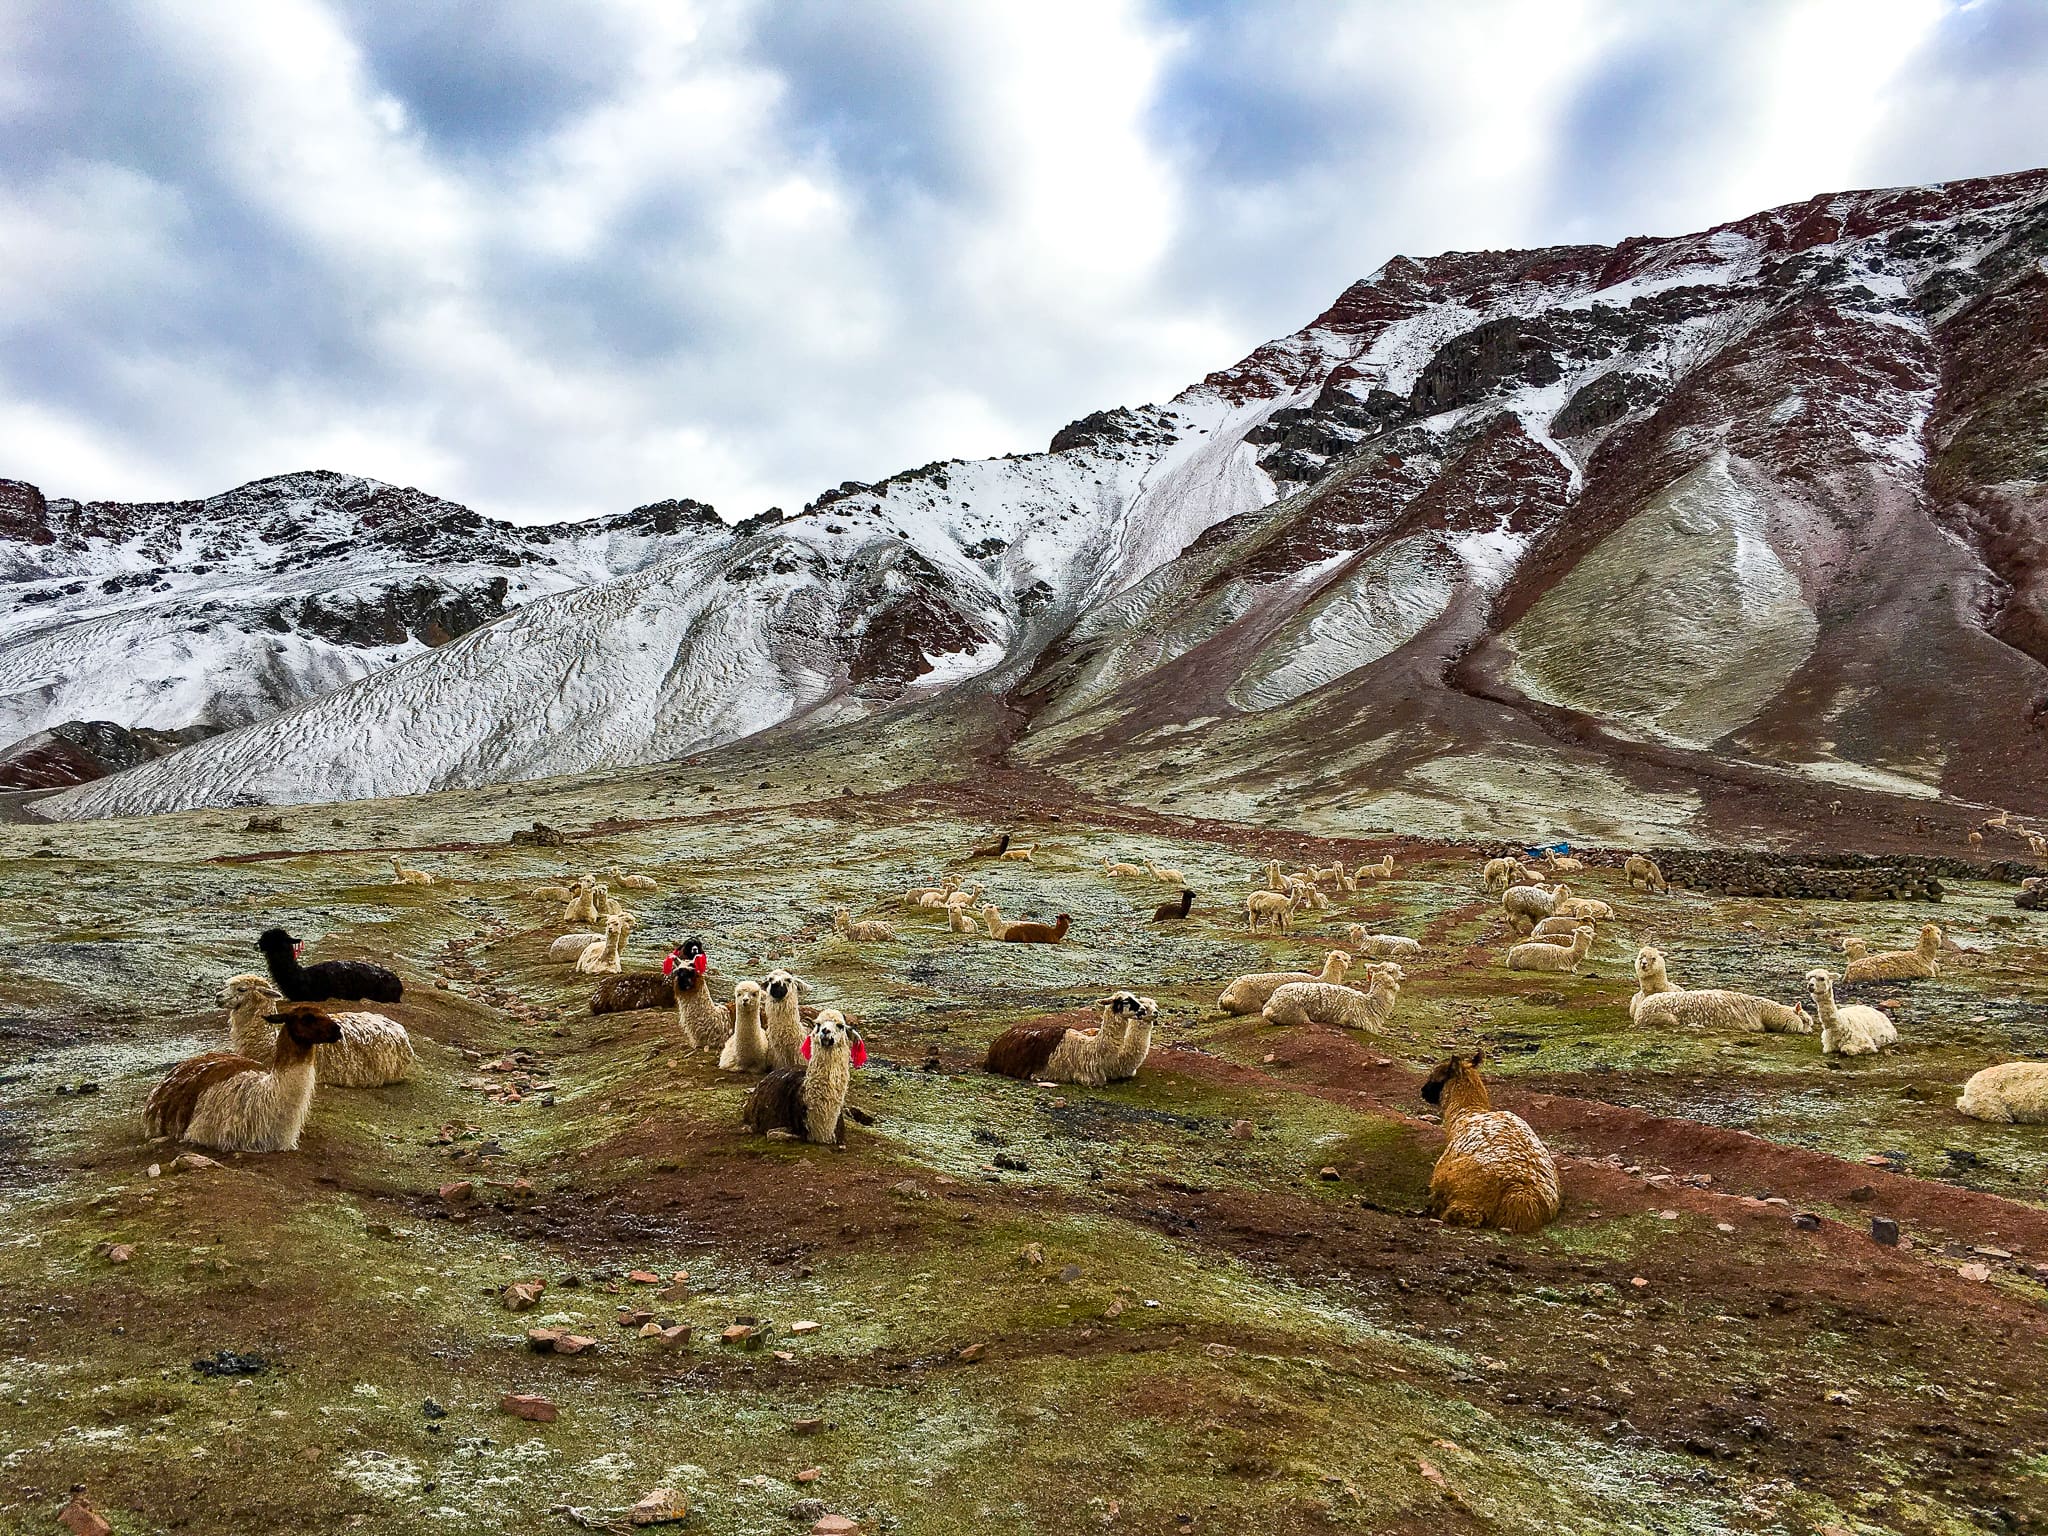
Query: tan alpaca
x=626, y=882
x=402, y=875
x=782, y=1017
x=1276, y=910
x=1658, y=1004
x=1494, y=1171
x=373, y=1051
x=1020, y=852
x=1361, y=940
x=866, y=931
x=1165, y=876
x=1320, y=1002
x=1899, y=964
x=605, y=957
x=1643, y=871
x=1120, y=871
x=1248, y=994
x=746, y=1049
x=961, y=921
x=1552, y=957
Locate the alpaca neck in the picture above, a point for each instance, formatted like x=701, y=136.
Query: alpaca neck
x=1463, y=1095
x=1131, y=1050
x=1654, y=980
x=1824, y=1006
x=825, y=1081
x=249, y=1032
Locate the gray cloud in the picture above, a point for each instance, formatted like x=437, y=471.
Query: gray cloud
x=556, y=260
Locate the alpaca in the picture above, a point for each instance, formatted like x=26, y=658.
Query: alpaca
x=994, y=848
x=233, y=1103
x=626, y=882
x=1275, y=881
x=1134, y=1044
x=372, y=1051
x=1552, y=928
x=930, y=895
x=1642, y=870
x=1562, y=861
x=1020, y=852
x=1057, y=1053
x=550, y=893
x=1026, y=933
x=401, y=875
x=782, y=1018
x=1976, y=839
x=1850, y=1029
x=959, y=921
x=1276, y=909
x=867, y=931
x=587, y=904
x=1552, y=957
x=1384, y=870
x=967, y=898
x=1120, y=871
x=1533, y=901
x=1494, y=1171
x=809, y=1102
x=568, y=949
x=605, y=957
x=2015, y=1092
x=746, y=1050
x=700, y=1019
x=1165, y=876
x=1318, y=1002
x=1380, y=946
x=1494, y=877
x=1583, y=906
x=2037, y=845
x=1854, y=948
x=1248, y=994
x=1659, y=1004
x=1174, y=911
x=356, y=980
x=1899, y=964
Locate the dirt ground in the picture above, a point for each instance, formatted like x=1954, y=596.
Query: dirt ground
x=1044, y=1309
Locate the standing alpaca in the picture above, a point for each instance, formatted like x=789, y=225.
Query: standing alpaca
x=809, y=1102
x=1658, y=1004
x=747, y=1049
x=1850, y=1029
x=233, y=1103
x=1642, y=870
x=1533, y=901
x=1494, y=1171
x=1276, y=909
x=1174, y=911
x=371, y=1052
x=1552, y=957
x=783, y=1019
x=353, y=979
x=1899, y=964
x=1056, y=1053
x=400, y=875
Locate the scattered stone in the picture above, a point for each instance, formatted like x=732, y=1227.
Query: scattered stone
x=530, y=1406
x=671, y=1337
x=1806, y=1221
x=675, y=1293
x=633, y=1317
x=810, y=1474
x=1115, y=1309
x=156, y=1170
x=645, y=1277
x=461, y=1192
x=1329, y=1175
x=804, y=1326
x=738, y=1334
x=973, y=1352
x=120, y=1253
x=1009, y=1164
x=433, y=1409
x=192, y=1162
x=659, y=1507
x=836, y=1525
x=1976, y=1272
x=80, y=1518
x=574, y=1344
x=805, y=1426
x=1070, y=1273
x=1883, y=1229
x=1991, y=1253
x=228, y=1362
x=522, y=1295
x=542, y=1341
x=1638, y=1282
x=1724, y=1226
x=1241, y=1130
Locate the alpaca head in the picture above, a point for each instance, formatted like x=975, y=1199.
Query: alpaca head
x=239, y=992
x=1821, y=982
x=840, y=917
x=747, y=997
x=1649, y=964
x=306, y=1026
x=1123, y=1009
x=832, y=1033
x=783, y=985
x=1336, y=963
x=1582, y=938
x=277, y=944
x=1930, y=937
x=1460, y=1074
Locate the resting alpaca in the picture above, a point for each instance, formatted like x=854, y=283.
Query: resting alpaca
x=1320, y=1002
x=569, y=948
x=1165, y=876
x=1583, y=906
x=995, y=848
x=1553, y=928
x=1899, y=964
x=371, y=1052
x=1552, y=957
x=747, y=1048
x=352, y=979
x=809, y=1102
x=1248, y=994
x=1025, y=933
x=1056, y=1053
x=1120, y=870
x=401, y=875
x=1494, y=1171
x=587, y=905
x=1381, y=946
x=2013, y=1093
x=1659, y=1004
x=626, y=882
x=958, y=920
x=1848, y=1029
x=867, y=931
x=605, y=956
x=233, y=1103
x=1384, y=870
x=782, y=1017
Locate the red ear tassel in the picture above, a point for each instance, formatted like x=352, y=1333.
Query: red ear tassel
x=668, y=965
x=807, y=1047
x=860, y=1051
x=701, y=964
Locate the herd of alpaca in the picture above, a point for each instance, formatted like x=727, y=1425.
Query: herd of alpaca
x=1493, y=1170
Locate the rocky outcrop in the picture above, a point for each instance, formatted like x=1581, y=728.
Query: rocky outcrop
x=79, y=751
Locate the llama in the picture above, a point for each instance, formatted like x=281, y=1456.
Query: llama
x=401, y=875
x=1165, y=876
x=1248, y=994
x=866, y=931
x=1317, y=1002
x=746, y=1050
x=2013, y=1093
x=373, y=1051
x=1174, y=911
x=1899, y=964
x=569, y=948
x=234, y=1103
x=1120, y=870
x=1380, y=946
x=782, y=1018
x=967, y=898
x=1552, y=957
x=1057, y=1053
x=1659, y=1004
x=605, y=957
x=626, y=882
x=1494, y=1170
x=1848, y=1029
x=809, y=1102
x=1642, y=870
x=355, y=980
x=1277, y=910
x=699, y=1018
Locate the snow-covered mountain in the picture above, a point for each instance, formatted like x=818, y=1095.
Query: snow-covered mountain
x=1698, y=518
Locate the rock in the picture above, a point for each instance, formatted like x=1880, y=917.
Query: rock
x=461, y=1192
x=1806, y=1221
x=1241, y=1130
x=80, y=1518
x=530, y=1406
x=659, y=1507
x=1977, y=1272
x=674, y=1337
x=738, y=1334
x=1115, y=1309
x=192, y=1162
x=973, y=1352
x=644, y=1277
x=799, y=1329
x=1884, y=1230
x=574, y=1344
x=1070, y=1273
x=836, y=1525
x=810, y=1474
x=522, y=1295
x=542, y=1341
x=633, y=1317
x=805, y=1426
x=1991, y=1253
x=433, y=1409
x=120, y=1253
x=678, y=1292
x=1329, y=1175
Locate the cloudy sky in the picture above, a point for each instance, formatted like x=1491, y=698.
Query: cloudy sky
x=561, y=257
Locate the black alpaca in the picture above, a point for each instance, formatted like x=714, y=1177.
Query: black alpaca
x=1169, y=911
x=356, y=980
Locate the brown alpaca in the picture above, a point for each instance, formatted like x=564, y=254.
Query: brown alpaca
x=994, y=848
x=1494, y=1171
x=1173, y=911
x=234, y=1103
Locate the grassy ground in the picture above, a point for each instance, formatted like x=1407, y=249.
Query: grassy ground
x=1041, y=1309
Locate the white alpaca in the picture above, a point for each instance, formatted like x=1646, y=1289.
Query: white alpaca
x=1384, y=870
x=234, y=1103
x=401, y=875
x=746, y=1050
x=1848, y=1029
x=1054, y=1053
x=1583, y=906
x=1248, y=994
x=1562, y=861
x=371, y=1052
x=605, y=957
x=569, y=948
x=866, y=931
x=1533, y=901
x=1497, y=874
x=1379, y=946
x=1658, y=1004
x=1552, y=957
x=782, y=1017
x=2013, y=1093
x=1134, y=1042
x=961, y=921
x=1165, y=876
x=1319, y=1002
x=966, y=898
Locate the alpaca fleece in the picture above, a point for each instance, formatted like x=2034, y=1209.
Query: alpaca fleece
x=1322, y=1002
x=1912, y=964
x=373, y=1051
x=746, y=1049
x=1248, y=994
x=352, y=979
x=809, y=1103
x=234, y=1103
x=1037, y=933
x=1659, y=1004
x=1174, y=911
x=1552, y=957
x=1848, y=1029
x=1379, y=946
x=1275, y=908
x=1643, y=871
x=632, y=992
x=782, y=1018
x=1494, y=1171
x=2014, y=1093
x=1533, y=901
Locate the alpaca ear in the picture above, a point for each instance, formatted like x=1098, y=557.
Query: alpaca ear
x=805, y=1048
x=802, y=985
x=1478, y=1056
x=860, y=1050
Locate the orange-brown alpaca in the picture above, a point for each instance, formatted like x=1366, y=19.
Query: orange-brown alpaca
x=1495, y=1171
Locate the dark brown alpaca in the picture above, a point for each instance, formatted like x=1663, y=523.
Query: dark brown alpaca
x=1173, y=911
x=1037, y=933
